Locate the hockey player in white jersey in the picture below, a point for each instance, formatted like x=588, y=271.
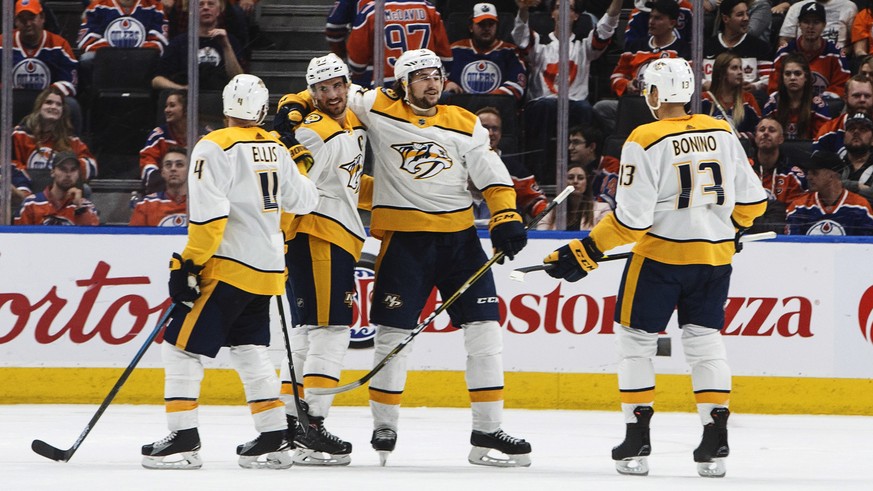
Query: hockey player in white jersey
x=323, y=248
x=240, y=181
x=422, y=212
x=686, y=192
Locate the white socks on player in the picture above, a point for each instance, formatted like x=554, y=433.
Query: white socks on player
x=483, y=341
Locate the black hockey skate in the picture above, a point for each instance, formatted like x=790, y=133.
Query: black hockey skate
x=713, y=448
x=630, y=456
x=383, y=441
x=184, y=443
x=319, y=447
x=516, y=451
x=272, y=445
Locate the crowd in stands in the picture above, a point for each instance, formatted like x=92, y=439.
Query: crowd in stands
x=791, y=77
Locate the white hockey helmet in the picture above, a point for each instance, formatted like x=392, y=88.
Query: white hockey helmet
x=246, y=97
x=325, y=68
x=414, y=60
x=673, y=78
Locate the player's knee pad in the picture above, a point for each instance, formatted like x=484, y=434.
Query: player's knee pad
x=328, y=345
x=636, y=348
x=387, y=385
x=183, y=372
x=483, y=338
x=387, y=338
x=256, y=371
x=706, y=354
x=298, y=340
x=483, y=341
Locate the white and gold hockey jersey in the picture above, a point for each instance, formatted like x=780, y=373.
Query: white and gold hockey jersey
x=684, y=187
x=338, y=173
x=422, y=164
x=240, y=181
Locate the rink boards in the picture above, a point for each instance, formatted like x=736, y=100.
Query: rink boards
x=74, y=308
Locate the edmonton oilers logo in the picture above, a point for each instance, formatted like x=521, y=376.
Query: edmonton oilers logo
x=125, y=32
x=31, y=73
x=826, y=227
x=865, y=320
x=174, y=220
x=362, y=332
x=480, y=77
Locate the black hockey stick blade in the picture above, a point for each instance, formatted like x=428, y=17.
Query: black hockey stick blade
x=50, y=452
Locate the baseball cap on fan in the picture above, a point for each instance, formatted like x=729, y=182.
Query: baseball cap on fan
x=822, y=159
x=32, y=6
x=484, y=11
x=859, y=119
x=813, y=9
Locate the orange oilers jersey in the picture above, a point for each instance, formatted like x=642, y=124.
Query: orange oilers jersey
x=28, y=154
x=638, y=56
x=40, y=209
x=160, y=210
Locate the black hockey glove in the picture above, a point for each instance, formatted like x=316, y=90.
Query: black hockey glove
x=287, y=117
x=507, y=233
x=738, y=246
x=184, y=281
x=573, y=261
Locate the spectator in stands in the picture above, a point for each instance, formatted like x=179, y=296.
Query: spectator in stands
x=638, y=29
x=727, y=88
x=339, y=22
x=829, y=208
x=858, y=176
x=529, y=199
x=168, y=208
x=662, y=42
x=19, y=186
x=232, y=18
x=409, y=25
x=800, y=112
x=47, y=131
x=859, y=99
x=825, y=60
x=218, y=56
x=760, y=20
x=756, y=56
x=542, y=57
x=865, y=66
x=62, y=202
x=862, y=33
x=838, y=15
x=122, y=24
x=585, y=148
x=174, y=132
x=583, y=211
x=482, y=63
x=782, y=179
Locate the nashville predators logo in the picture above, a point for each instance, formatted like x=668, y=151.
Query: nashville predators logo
x=355, y=168
x=423, y=159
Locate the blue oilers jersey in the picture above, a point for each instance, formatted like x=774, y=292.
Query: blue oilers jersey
x=495, y=71
x=51, y=61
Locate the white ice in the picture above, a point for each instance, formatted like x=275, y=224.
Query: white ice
x=571, y=450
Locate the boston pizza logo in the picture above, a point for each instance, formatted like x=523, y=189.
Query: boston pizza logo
x=423, y=159
x=865, y=319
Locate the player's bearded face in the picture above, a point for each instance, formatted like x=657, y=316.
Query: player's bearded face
x=425, y=87
x=331, y=96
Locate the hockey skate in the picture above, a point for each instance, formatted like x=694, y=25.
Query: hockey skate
x=383, y=441
x=271, y=445
x=183, y=443
x=713, y=448
x=516, y=451
x=630, y=456
x=319, y=447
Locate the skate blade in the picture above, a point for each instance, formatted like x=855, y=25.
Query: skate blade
x=716, y=468
x=272, y=460
x=383, y=456
x=633, y=466
x=481, y=456
x=304, y=456
x=182, y=461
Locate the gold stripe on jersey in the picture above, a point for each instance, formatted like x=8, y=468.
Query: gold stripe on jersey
x=630, y=289
x=228, y=137
x=326, y=127
x=746, y=213
x=285, y=223
x=328, y=230
x=260, y=406
x=486, y=395
x=204, y=239
x=245, y=277
x=610, y=233
x=650, y=134
x=180, y=405
x=384, y=219
x=288, y=389
x=499, y=197
x=721, y=397
x=384, y=397
x=207, y=286
x=320, y=381
x=365, y=193
x=640, y=396
x=685, y=252
x=450, y=118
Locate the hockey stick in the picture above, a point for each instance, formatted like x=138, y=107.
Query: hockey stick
x=518, y=274
x=724, y=113
x=59, y=455
x=302, y=416
x=445, y=305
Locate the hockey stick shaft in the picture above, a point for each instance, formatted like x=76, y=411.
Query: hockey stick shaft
x=518, y=274
x=445, y=305
x=53, y=453
x=302, y=415
x=727, y=117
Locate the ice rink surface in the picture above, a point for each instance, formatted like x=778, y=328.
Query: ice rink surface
x=571, y=451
